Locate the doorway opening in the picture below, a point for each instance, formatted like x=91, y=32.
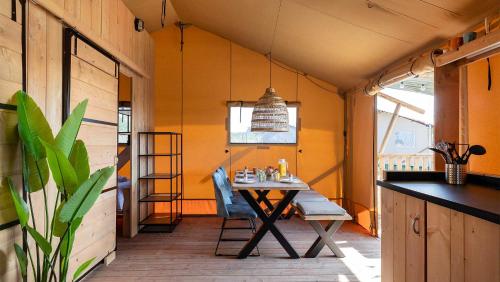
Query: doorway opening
x=405, y=128
x=124, y=165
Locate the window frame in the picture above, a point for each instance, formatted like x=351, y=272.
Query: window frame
x=251, y=104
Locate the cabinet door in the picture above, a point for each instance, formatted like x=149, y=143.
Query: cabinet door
x=387, y=235
x=393, y=238
x=415, y=240
x=481, y=250
x=438, y=243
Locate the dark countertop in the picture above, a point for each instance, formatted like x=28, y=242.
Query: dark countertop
x=479, y=197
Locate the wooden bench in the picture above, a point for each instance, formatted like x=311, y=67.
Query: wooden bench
x=334, y=220
x=310, y=195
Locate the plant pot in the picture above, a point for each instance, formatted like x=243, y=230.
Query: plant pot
x=455, y=173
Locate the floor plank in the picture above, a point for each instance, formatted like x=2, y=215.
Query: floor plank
x=187, y=255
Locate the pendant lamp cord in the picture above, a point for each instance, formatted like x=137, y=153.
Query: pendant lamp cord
x=270, y=71
x=163, y=12
x=272, y=42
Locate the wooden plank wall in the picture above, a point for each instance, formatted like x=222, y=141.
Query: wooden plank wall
x=10, y=82
x=94, y=77
x=112, y=22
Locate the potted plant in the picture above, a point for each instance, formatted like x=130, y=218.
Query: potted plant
x=77, y=190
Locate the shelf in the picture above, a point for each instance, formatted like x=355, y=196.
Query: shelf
x=169, y=217
x=160, y=176
x=481, y=45
x=160, y=219
x=160, y=197
x=158, y=155
x=159, y=133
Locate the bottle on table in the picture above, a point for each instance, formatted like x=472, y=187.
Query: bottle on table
x=282, y=167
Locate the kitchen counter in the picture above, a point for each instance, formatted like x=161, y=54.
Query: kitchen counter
x=479, y=197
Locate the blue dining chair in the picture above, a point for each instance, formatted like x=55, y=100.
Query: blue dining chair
x=235, y=197
x=229, y=210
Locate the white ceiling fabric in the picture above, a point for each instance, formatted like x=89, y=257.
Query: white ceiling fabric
x=340, y=41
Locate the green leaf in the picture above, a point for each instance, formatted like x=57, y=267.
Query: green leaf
x=58, y=227
x=37, y=177
x=21, y=258
x=62, y=171
x=86, y=195
x=82, y=268
x=21, y=207
x=67, y=135
x=79, y=159
x=32, y=125
x=40, y=241
x=70, y=235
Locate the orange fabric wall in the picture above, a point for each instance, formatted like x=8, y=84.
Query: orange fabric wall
x=359, y=191
x=484, y=119
x=124, y=94
x=125, y=170
x=217, y=70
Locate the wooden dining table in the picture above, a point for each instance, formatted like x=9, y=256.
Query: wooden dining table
x=262, y=189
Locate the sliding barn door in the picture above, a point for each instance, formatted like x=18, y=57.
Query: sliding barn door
x=93, y=75
x=10, y=157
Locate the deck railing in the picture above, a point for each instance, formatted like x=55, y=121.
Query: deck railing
x=405, y=162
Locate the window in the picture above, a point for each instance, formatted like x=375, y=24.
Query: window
x=124, y=125
x=240, y=117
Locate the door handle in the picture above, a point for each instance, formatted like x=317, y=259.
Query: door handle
x=226, y=151
x=300, y=151
x=414, y=225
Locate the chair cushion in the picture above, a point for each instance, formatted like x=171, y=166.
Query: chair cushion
x=122, y=178
x=238, y=199
x=320, y=208
x=241, y=210
x=309, y=196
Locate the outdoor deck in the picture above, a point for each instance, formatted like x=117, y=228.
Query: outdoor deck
x=187, y=255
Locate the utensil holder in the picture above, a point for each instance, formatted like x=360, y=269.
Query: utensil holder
x=455, y=173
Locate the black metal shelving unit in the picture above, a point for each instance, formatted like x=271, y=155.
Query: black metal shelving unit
x=152, y=178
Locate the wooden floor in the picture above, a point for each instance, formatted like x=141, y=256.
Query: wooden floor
x=187, y=255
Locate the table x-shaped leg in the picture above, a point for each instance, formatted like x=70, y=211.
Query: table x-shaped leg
x=262, y=197
x=268, y=224
x=325, y=237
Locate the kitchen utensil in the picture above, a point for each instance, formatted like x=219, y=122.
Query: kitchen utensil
x=443, y=154
x=477, y=150
x=443, y=149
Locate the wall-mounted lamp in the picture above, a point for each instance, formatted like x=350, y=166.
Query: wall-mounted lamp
x=139, y=24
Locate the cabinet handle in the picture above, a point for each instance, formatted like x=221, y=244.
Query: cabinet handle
x=413, y=224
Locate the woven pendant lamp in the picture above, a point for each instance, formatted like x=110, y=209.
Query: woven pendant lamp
x=270, y=114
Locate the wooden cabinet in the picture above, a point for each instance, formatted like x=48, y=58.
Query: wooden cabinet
x=422, y=241
x=403, y=237
x=460, y=247
x=415, y=239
